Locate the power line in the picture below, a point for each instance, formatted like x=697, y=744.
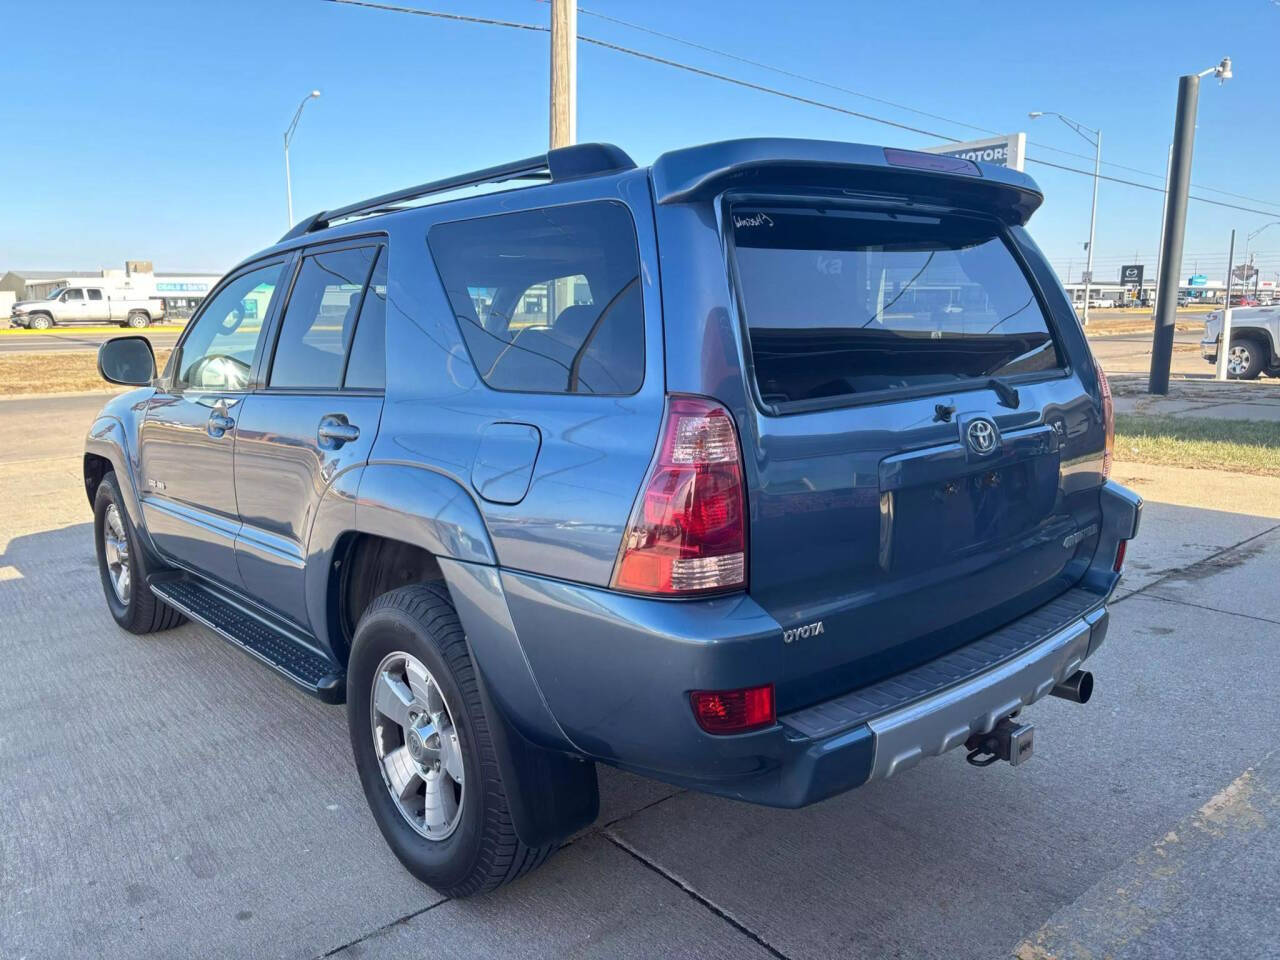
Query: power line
x=890, y=103
x=762, y=88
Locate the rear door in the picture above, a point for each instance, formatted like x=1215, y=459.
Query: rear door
x=910, y=418
x=314, y=417
x=99, y=309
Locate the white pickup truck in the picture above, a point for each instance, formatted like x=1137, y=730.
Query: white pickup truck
x=86, y=304
x=1255, y=341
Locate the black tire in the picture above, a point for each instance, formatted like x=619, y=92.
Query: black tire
x=142, y=611
x=1257, y=357
x=483, y=851
x=138, y=319
x=39, y=322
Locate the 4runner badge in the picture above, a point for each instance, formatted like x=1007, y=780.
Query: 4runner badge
x=802, y=633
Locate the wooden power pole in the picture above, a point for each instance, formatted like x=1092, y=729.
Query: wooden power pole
x=564, y=73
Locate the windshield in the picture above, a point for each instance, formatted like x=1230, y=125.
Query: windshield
x=56, y=293
x=840, y=302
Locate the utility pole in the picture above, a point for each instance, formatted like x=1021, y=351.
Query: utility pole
x=288, y=138
x=564, y=73
x=1155, y=293
x=1096, y=142
x=1175, y=223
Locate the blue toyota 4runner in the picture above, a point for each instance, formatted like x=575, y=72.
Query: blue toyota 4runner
x=767, y=470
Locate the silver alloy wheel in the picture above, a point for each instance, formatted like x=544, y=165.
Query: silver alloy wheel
x=416, y=743
x=1238, y=359
x=115, y=543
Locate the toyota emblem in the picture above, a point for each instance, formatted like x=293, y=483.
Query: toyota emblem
x=981, y=435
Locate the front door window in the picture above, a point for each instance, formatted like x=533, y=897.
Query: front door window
x=218, y=353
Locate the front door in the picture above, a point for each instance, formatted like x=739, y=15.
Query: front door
x=186, y=442
x=75, y=306
x=313, y=420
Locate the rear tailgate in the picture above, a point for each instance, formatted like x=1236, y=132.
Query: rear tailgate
x=922, y=441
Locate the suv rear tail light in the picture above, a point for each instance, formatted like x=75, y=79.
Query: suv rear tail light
x=1119, y=564
x=1108, y=419
x=733, y=711
x=688, y=530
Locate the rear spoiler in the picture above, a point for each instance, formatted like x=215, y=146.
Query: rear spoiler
x=699, y=173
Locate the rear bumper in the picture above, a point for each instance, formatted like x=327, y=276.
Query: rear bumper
x=1209, y=350
x=615, y=672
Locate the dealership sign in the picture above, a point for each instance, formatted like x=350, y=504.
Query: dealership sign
x=167, y=287
x=1197, y=280
x=1131, y=273
x=1007, y=151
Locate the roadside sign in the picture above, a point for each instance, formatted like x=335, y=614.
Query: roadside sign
x=1086, y=276
x=1007, y=151
x=1131, y=273
x=1197, y=280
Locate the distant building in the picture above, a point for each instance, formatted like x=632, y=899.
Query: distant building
x=181, y=292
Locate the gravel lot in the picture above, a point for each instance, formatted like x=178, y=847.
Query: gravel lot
x=167, y=796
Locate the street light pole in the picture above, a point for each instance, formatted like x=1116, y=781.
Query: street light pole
x=1248, y=240
x=1096, y=142
x=288, y=137
x=1175, y=224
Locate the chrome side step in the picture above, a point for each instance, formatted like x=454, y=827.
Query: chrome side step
x=253, y=632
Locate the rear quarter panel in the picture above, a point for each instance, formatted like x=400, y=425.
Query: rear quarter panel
x=594, y=449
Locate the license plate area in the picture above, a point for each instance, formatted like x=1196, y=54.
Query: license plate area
x=940, y=504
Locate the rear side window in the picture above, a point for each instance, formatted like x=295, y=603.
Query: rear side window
x=320, y=319
x=840, y=302
x=548, y=300
x=366, y=367
x=95, y=294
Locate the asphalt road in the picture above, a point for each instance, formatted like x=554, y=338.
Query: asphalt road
x=1131, y=353
x=168, y=796
x=63, y=339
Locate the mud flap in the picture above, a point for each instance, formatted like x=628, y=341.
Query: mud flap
x=551, y=795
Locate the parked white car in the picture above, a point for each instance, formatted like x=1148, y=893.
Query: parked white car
x=86, y=304
x=1255, y=341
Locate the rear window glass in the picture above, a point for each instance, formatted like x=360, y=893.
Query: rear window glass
x=842, y=302
x=548, y=300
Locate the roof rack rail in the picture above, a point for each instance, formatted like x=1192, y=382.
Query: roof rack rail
x=562, y=163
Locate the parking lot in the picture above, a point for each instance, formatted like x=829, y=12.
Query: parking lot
x=168, y=796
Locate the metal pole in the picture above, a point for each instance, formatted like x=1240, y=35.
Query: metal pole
x=288, y=181
x=1175, y=226
x=1155, y=294
x=1225, y=341
x=1093, y=217
x=564, y=73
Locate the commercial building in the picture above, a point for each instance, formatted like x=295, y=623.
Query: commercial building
x=181, y=292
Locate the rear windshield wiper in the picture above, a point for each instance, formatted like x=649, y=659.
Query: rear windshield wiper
x=1008, y=395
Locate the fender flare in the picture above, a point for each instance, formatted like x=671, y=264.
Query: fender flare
x=109, y=439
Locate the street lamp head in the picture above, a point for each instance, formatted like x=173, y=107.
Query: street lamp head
x=1036, y=114
x=1223, y=70
x=315, y=93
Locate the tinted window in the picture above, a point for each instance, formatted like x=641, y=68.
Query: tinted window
x=75, y=293
x=840, y=302
x=95, y=294
x=320, y=318
x=218, y=352
x=366, y=367
x=548, y=300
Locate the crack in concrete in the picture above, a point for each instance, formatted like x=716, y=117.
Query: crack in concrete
x=694, y=894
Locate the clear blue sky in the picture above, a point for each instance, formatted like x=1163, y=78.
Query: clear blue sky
x=154, y=131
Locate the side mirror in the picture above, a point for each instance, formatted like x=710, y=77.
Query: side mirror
x=127, y=360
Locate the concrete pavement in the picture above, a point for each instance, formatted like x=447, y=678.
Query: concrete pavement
x=168, y=796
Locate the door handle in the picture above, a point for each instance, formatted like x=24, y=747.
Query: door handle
x=334, y=431
x=219, y=423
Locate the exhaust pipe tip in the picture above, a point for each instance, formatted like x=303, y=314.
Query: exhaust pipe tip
x=1077, y=688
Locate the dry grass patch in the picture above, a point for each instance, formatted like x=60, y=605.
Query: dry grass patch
x=61, y=372
x=1245, y=446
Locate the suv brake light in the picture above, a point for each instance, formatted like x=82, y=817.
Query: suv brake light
x=1108, y=419
x=688, y=530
